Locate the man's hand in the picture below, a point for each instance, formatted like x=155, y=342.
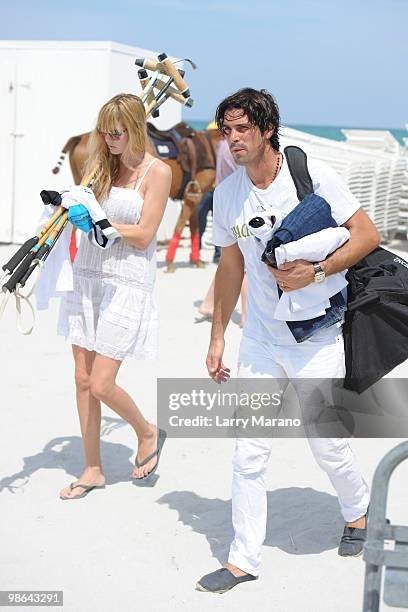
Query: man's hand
x=293, y=274
x=216, y=369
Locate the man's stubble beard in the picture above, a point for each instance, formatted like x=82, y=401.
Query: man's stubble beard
x=255, y=157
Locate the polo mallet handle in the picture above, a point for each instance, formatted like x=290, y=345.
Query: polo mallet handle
x=20, y=254
x=155, y=103
x=30, y=270
x=144, y=80
x=149, y=87
x=31, y=243
x=44, y=250
x=10, y=285
x=150, y=64
x=87, y=180
x=162, y=96
x=165, y=66
x=172, y=71
x=173, y=93
x=166, y=86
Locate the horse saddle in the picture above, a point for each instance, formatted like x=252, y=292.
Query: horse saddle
x=169, y=144
x=193, y=150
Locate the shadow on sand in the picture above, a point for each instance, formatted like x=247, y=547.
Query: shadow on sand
x=301, y=521
x=66, y=453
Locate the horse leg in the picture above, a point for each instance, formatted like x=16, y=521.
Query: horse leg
x=174, y=242
x=195, y=239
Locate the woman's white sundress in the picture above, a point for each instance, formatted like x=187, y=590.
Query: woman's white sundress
x=112, y=309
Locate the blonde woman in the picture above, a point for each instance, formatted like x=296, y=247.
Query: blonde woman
x=111, y=314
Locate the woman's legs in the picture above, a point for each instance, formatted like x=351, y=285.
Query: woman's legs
x=104, y=388
x=244, y=290
x=89, y=411
x=206, y=307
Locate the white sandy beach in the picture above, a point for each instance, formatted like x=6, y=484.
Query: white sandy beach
x=128, y=547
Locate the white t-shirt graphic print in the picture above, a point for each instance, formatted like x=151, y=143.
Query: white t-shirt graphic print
x=236, y=199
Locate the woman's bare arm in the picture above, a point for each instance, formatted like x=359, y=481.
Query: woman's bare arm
x=157, y=193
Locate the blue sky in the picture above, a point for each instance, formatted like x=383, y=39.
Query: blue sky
x=328, y=62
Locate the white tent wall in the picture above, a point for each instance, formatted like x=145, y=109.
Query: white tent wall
x=7, y=125
x=51, y=91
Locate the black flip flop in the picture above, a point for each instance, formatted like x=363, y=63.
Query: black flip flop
x=87, y=489
x=161, y=437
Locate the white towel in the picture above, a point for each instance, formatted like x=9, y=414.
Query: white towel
x=56, y=277
x=311, y=301
x=103, y=235
x=314, y=247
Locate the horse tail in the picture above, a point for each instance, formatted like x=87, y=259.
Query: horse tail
x=69, y=146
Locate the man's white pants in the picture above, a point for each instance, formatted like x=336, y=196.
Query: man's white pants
x=320, y=357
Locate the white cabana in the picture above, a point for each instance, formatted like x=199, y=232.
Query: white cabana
x=51, y=90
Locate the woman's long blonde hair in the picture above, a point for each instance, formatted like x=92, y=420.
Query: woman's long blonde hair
x=124, y=111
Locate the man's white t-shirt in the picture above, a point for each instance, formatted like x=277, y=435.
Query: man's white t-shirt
x=236, y=199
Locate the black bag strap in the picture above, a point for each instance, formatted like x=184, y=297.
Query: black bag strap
x=297, y=163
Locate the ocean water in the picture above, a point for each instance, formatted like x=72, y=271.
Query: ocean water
x=325, y=131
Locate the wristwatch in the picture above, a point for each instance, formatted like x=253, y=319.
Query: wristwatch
x=319, y=273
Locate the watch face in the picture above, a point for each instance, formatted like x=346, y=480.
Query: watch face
x=320, y=276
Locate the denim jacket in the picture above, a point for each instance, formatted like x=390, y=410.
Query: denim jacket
x=311, y=215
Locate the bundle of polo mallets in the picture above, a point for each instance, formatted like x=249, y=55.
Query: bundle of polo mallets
x=166, y=82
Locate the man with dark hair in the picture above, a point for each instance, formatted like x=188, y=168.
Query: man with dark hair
x=249, y=119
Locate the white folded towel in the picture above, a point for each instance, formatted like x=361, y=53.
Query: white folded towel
x=312, y=300
x=314, y=247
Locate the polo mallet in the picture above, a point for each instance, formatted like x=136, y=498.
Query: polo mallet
x=33, y=259
x=173, y=93
x=162, y=96
x=9, y=267
x=42, y=244
x=165, y=65
x=149, y=86
x=42, y=249
x=144, y=80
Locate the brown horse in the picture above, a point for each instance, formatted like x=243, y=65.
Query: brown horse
x=191, y=178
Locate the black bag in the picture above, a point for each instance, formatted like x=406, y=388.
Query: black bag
x=376, y=322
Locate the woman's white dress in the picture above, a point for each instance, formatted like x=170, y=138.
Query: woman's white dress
x=112, y=309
